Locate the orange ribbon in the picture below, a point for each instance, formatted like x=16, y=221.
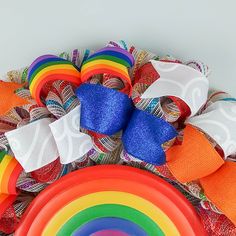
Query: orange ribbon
x=196, y=159
x=8, y=98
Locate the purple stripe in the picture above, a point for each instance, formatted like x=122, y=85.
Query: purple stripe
x=39, y=59
x=120, y=50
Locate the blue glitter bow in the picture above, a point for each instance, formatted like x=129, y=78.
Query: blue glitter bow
x=144, y=136
x=103, y=110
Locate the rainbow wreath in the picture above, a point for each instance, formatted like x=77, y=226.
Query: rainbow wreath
x=78, y=131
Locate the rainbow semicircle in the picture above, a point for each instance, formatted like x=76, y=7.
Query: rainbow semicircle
x=50, y=68
x=92, y=201
x=10, y=170
x=110, y=60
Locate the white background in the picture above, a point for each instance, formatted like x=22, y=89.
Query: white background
x=187, y=29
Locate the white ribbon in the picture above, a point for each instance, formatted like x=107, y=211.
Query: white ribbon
x=180, y=81
x=41, y=142
x=71, y=143
x=33, y=145
x=219, y=122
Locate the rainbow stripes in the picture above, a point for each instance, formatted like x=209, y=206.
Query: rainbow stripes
x=110, y=60
x=50, y=68
x=10, y=170
x=102, y=199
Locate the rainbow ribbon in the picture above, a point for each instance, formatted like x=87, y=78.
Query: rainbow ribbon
x=10, y=170
x=50, y=68
x=111, y=60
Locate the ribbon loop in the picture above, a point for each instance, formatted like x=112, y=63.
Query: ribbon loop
x=195, y=158
x=219, y=122
x=111, y=60
x=33, y=145
x=144, y=136
x=103, y=110
x=71, y=143
x=50, y=68
x=220, y=188
x=180, y=81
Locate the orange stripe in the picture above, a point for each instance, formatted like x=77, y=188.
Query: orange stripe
x=6, y=180
x=69, y=78
x=103, y=66
x=33, y=86
x=4, y=172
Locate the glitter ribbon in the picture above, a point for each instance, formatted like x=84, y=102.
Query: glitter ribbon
x=145, y=135
x=107, y=111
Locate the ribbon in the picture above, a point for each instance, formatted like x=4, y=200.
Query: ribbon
x=186, y=161
x=10, y=170
x=219, y=122
x=40, y=143
x=33, y=145
x=103, y=110
x=145, y=135
x=71, y=143
x=196, y=159
x=110, y=60
x=50, y=68
x=8, y=98
x=180, y=81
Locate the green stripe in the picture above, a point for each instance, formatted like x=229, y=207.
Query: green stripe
x=2, y=155
x=110, y=210
x=109, y=58
x=48, y=64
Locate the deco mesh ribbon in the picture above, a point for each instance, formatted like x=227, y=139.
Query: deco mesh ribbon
x=127, y=106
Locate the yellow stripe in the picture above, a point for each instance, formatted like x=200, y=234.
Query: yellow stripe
x=105, y=62
x=110, y=197
x=3, y=168
x=49, y=68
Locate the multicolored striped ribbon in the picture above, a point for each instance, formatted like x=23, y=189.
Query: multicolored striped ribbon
x=10, y=170
x=110, y=60
x=49, y=68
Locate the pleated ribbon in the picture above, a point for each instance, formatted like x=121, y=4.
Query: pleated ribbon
x=196, y=159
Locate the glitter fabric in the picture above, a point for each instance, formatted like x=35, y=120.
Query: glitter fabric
x=145, y=135
x=103, y=110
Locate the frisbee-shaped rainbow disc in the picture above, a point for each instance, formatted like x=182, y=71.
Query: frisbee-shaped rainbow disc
x=110, y=200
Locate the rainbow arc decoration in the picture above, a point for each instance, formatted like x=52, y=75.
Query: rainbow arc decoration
x=110, y=60
x=50, y=68
x=10, y=170
x=110, y=200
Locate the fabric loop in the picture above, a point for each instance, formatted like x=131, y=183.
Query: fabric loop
x=50, y=68
x=111, y=60
x=103, y=110
x=195, y=158
x=145, y=136
x=220, y=188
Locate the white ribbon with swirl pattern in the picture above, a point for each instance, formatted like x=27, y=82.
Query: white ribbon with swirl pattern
x=33, y=145
x=219, y=122
x=180, y=81
x=71, y=143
